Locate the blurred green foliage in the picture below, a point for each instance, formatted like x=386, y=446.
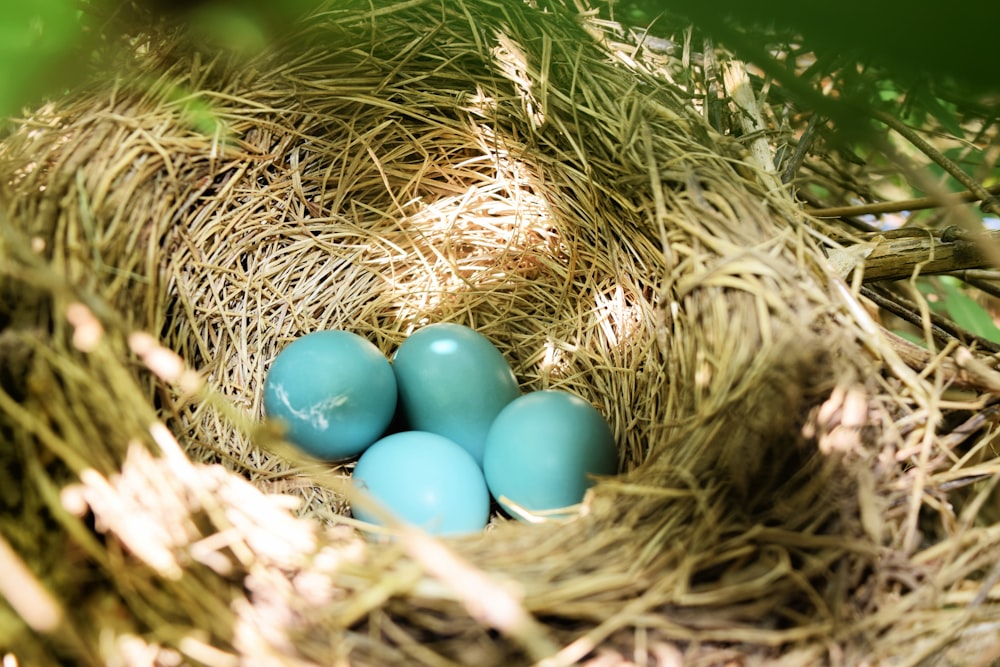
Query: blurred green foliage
x=41, y=45
x=46, y=46
x=946, y=295
x=933, y=69
x=949, y=43
x=937, y=55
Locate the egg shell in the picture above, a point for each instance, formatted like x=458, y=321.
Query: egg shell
x=453, y=381
x=425, y=480
x=541, y=448
x=333, y=390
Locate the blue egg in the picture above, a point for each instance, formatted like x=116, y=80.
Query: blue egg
x=334, y=391
x=425, y=480
x=542, y=448
x=453, y=382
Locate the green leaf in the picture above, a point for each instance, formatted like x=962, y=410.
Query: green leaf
x=910, y=336
x=934, y=298
x=966, y=313
x=888, y=91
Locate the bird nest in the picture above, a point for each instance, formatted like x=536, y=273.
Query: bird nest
x=789, y=487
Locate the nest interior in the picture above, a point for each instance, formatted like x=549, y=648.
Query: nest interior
x=788, y=487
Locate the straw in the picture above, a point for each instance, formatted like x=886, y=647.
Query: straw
x=788, y=488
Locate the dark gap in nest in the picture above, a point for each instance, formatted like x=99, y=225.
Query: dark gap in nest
x=437, y=631
x=24, y=313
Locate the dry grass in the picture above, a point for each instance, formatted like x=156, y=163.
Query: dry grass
x=790, y=490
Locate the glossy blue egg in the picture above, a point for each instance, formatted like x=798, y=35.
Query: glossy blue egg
x=542, y=448
x=453, y=382
x=334, y=391
x=425, y=480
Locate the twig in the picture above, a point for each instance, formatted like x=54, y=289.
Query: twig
x=888, y=257
x=942, y=330
x=740, y=90
x=801, y=150
x=713, y=106
x=917, y=204
x=972, y=185
x=986, y=285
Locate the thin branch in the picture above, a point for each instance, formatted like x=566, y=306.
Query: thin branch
x=917, y=204
x=805, y=143
x=896, y=258
x=983, y=285
x=942, y=329
x=990, y=205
